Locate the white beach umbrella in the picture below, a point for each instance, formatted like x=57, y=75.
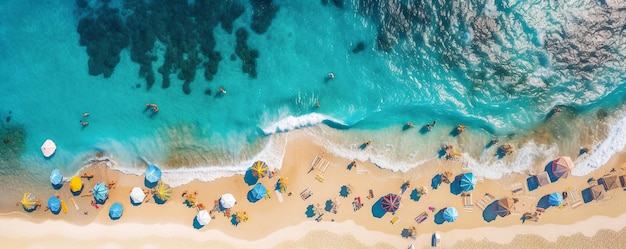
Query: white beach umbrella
x=48, y=148
x=227, y=201
x=137, y=195
x=203, y=217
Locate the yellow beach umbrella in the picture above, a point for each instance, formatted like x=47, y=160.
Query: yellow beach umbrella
x=164, y=192
x=259, y=169
x=29, y=202
x=283, y=183
x=76, y=184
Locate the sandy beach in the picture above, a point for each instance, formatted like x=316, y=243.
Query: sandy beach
x=292, y=222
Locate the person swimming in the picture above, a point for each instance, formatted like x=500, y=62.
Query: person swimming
x=155, y=108
x=331, y=76
x=222, y=90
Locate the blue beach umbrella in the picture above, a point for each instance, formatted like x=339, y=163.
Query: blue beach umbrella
x=468, y=181
x=54, y=204
x=555, y=199
x=100, y=192
x=258, y=192
x=153, y=173
x=116, y=210
x=450, y=214
x=56, y=177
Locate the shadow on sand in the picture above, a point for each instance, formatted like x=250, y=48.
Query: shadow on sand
x=377, y=209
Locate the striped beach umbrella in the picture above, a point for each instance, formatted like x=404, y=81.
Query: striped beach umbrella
x=116, y=210
x=29, y=202
x=54, y=204
x=153, y=173
x=390, y=202
x=555, y=199
x=259, y=169
x=100, y=192
x=450, y=214
x=468, y=181
x=56, y=177
x=562, y=166
x=258, y=192
x=164, y=192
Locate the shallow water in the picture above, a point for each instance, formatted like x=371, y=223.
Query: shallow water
x=498, y=67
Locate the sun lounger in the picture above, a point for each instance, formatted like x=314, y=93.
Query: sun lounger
x=395, y=219
x=279, y=196
x=517, y=188
x=467, y=202
x=319, y=178
x=305, y=194
x=485, y=201
x=573, y=198
x=319, y=218
x=324, y=165
x=421, y=217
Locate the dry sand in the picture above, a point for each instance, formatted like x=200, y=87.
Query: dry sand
x=285, y=225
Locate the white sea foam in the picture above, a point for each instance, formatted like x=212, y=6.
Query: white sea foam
x=603, y=150
x=291, y=123
x=272, y=154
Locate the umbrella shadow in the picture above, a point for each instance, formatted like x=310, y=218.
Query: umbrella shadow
x=455, y=186
x=29, y=210
x=415, y=195
x=435, y=181
x=531, y=183
x=438, y=217
x=158, y=200
x=454, y=132
x=441, y=153
x=548, y=168
x=344, y=191
x=251, y=198
x=57, y=186
x=489, y=213
x=196, y=224
x=56, y=212
x=101, y=202
x=249, y=178
x=134, y=203
x=490, y=144
x=233, y=220
x=329, y=205
x=114, y=218
x=377, y=209
x=544, y=202
x=149, y=184
x=406, y=233
x=310, y=211
x=77, y=193
x=406, y=127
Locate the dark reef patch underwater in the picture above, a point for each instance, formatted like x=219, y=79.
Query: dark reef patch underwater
x=186, y=31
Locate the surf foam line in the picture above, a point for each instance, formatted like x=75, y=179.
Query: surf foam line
x=272, y=154
x=603, y=151
x=291, y=123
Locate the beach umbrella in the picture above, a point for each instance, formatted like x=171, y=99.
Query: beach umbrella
x=76, y=184
x=450, y=214
x=116, y=210
x=505, y=205
x=164, y=192
x=203, y=217
x=153, y=173
x=446, y=176
x=258, y=192
x=282, y=183
x=555, y=199
x=468, y=181
x=137, y=195
x=54, y=204
x=56, y=177
x=227, y=201
x=100, y=192
x=29, y=202
x=48, y=148
x=390, y=202
x=562, y=166
x=259, y=169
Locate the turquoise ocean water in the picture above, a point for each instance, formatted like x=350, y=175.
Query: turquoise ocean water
x=498, y=67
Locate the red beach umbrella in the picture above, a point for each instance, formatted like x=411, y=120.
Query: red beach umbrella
x=391, y=202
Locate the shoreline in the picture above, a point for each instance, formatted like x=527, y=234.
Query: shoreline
x=277, y=218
